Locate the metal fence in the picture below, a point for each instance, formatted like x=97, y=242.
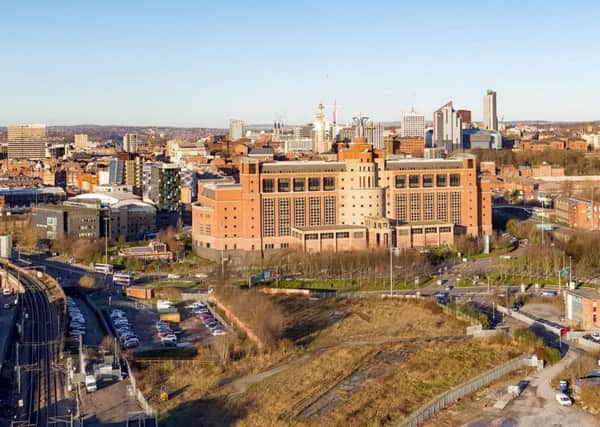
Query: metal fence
x=148, y=410
x=431, y=408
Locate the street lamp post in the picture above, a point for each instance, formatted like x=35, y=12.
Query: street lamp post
x=391, y=265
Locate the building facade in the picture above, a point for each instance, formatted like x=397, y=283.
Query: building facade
x=582, y=308
x=161, y=186
x=28, y=142
x=490, y=111
x=71, y=222
x=278, y=205
x=447, y=128
x=236, y=129
x=131, y=143
x=412, y=125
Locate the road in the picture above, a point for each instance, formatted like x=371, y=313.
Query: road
x=537, y=406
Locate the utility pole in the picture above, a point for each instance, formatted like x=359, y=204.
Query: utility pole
x=391, y=266
x=107, y=231
x=542, y=223
x=570, y=273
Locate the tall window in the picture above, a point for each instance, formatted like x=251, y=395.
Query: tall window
x=414, y=181
x=454, y=180
x=268, y=217
x=284, y=217
x=299, y=184
x=268, y=185
x=314, y=184
x=299, y=212
x=328, y=183
x=428, y=181
x=401, y=207
x=283, y=185
x=400, y=181
x=314, y=209
x=330, y=210
x=441, y=180
x=442, y=207
x=455, y=207
x=428, y=207
x=415, y=207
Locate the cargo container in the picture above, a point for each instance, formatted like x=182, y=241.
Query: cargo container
x=170, y=315
x=140, y=292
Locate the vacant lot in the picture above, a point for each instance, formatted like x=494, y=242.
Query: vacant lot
x=339, y=362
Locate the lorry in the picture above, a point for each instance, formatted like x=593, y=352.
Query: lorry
x=90, y=383
x=563, y=386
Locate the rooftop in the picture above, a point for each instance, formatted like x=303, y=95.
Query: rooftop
x=585, y=293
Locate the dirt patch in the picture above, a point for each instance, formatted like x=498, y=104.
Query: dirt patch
x=379, y=364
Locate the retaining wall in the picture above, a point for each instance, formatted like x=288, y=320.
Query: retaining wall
x=238, y=322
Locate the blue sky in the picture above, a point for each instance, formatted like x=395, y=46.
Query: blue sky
x=198, y=63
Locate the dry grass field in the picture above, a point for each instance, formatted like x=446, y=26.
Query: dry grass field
x=340, y=362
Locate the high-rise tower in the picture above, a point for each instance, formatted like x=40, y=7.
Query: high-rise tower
x=490, y=112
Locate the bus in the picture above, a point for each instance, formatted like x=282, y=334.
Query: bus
x=122, y=279
x=103, y=268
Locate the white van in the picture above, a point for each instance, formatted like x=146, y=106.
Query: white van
x=90, y=383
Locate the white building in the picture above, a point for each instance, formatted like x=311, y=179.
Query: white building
x=490, y=111
x=592, y=139
x=236, y=129
x=447, y=128
x=130, y=142
x=297, y=145
x=413, y=125
x=374, y=134
x=81, y=141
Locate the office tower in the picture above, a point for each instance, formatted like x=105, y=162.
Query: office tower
x=161, y=185
x=374, y=135
x=130, y=142
x=321, y=141
x=27, y=142
x=490, y=113
x=116, y=172
x=447, y=128
x=81, y=141
x=133, y=174
x=236, y=129
x=412, y=125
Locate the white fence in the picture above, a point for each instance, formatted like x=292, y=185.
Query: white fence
x=431, y=408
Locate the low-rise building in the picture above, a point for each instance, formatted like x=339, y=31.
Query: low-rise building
x=154, y=251
x=577, y=212
x=130, y=218
x=582, y=308
x=65, y=221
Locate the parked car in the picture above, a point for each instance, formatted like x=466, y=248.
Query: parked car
x=563, y=399
x=595, y=335
x=218, y=332
x=6, y=292
x=131, y=344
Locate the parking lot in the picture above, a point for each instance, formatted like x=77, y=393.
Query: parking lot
x=138, y=322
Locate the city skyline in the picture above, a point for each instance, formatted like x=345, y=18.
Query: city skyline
x=177, y=65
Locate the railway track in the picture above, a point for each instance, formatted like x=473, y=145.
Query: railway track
x=40, y=378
